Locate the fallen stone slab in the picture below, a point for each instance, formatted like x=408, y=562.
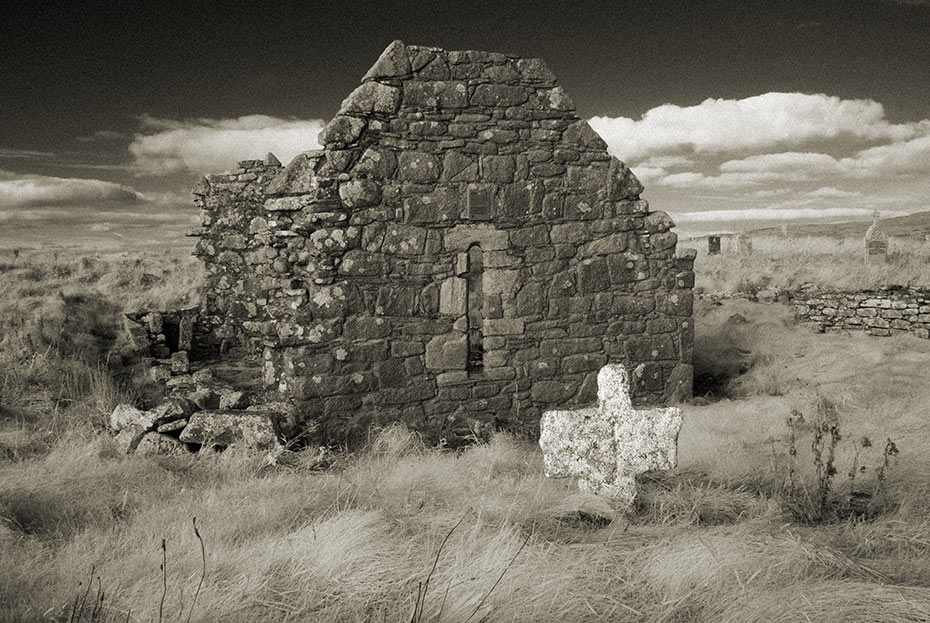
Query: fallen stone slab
x=127, y=416
x=284, y=415
x=171, y=427
x=204, y=398
x=171, y=410
x=227, y=427
x=129, y=436
x=232, y=399
x=157, y=444
x=606, y=446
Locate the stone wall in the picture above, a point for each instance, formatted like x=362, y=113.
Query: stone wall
x=462, y=253
x=881, y=312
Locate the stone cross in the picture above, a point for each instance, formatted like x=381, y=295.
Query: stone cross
x=607, y=445
x=876, y=241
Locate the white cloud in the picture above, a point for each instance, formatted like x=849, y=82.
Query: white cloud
x=650, y=174
x=785, y=165
x=734, y=180
x=901, y=158
x=832, y=193
x=25, y=154
x=18, y=191
x=779, y=214
x=667, y=162
x=757, y=123
x=911, y=156
x=770, y=192
x=212, y=145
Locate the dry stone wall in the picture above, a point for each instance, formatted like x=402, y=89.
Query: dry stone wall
x=462, y=253
x=881, y=312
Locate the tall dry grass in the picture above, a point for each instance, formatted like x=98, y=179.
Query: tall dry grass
x=62, y=338
x=789, y=263
x=402, y=532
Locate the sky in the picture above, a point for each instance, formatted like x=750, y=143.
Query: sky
x=732, y=113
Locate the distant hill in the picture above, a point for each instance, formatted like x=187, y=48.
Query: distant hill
x=915, y=226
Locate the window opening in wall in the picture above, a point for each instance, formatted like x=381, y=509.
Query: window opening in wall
x=475, y=308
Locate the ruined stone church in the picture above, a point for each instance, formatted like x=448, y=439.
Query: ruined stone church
x=462, y=253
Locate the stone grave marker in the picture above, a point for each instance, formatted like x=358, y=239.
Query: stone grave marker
x=876, y=241
x=606, y=446
x=744, y=244
x=713, y=245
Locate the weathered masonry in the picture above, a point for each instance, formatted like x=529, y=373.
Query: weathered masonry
x=462, y=253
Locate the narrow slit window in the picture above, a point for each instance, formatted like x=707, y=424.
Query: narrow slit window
x=475, y=307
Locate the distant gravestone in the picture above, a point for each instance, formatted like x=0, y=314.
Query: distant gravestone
x=876, y=242
x=784, y=231
x=606, y=446
x=744, y=244
x=713, y=245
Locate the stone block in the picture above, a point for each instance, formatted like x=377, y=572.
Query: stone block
x=593, y=275
x=499, y=169
x=171, y=427
x=158, y=444
x=574, y=364
x=583, y=135
x=180, y=363
x=232, y=399
x=530, y=300
x=551, y=392
x=453, y=296
x=393, y=63
x=500, y=281
x=610, y=244
x=458, y=167
x=342, y=130
x=414, y=166
x=621, y=183
x=359, y=193
x=498, y=95
x=252, y=429
x=378, y=163
x=404, y=240
x=447, y=352
x=204, y=398
x=462, y=236
x=126, y=416
x=651, y=348
x=503, y=326
x=439, y=94
x=535, y=70
x=396, y=301
x=372, y=98
x=390, y=373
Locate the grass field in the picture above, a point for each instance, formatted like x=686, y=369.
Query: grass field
x=828, y=262
x=754, y=525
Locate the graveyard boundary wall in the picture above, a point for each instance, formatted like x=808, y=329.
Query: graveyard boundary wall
x=882, y=312
x=887, y=311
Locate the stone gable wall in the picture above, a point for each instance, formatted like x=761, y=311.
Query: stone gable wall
x=353, y=270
